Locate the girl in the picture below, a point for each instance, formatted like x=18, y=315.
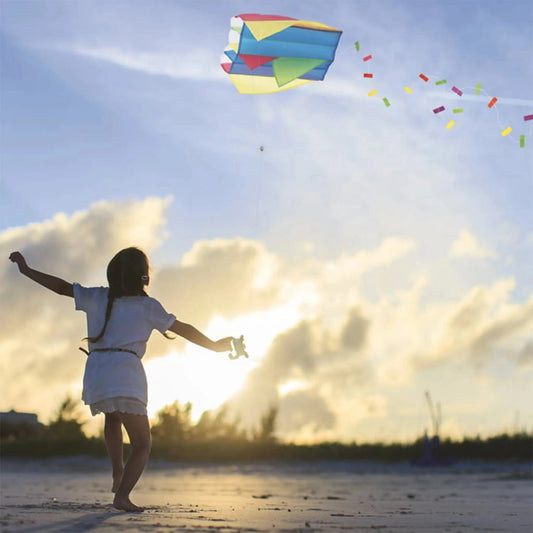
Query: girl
x=120, y=320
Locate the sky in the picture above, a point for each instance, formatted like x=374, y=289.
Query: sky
x=367, y=253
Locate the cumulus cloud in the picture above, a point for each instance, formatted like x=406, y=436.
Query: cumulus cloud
x=525, y=355
x=229, y=275
x=221, y=277
x=302, y=374
x=304, y=412
x=509, y=324
x=295, y=355
x=330, y=370
x=39, y=331
x=354, y=332
x=485, y=322
x=333, y=367
x=467, y=245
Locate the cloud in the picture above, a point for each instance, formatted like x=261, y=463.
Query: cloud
x=354, y=333
x=302, y=372
x=332, y=286
x=39, y=331
x=243, y=265
x=509, y=324
x=190, y=66
x=295, y=355
x=346, y=342
x=484, y=324
x=224, y=277
x=525, y=355
x=467, y=245
x=339, y=361
x=377, y=349
x=304, y=412
x=76, y=248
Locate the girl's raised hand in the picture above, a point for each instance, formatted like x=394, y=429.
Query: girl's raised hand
x=223, y=345
x=17, y=257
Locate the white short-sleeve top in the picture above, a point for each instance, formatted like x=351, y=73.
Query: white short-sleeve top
x=109, y=374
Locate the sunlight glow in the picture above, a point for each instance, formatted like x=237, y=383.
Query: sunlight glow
x=203, y=378
x=291, y=386
x=207, y=379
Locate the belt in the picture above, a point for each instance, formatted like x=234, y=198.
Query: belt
x=108, y=350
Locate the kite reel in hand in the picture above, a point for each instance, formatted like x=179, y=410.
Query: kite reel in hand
x=238, y=348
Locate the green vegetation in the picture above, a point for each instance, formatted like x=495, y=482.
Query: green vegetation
x=214, y=437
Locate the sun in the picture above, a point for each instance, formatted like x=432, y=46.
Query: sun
x=205, y=379
x=208, y=379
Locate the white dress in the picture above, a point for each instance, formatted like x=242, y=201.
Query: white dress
x=115, y=380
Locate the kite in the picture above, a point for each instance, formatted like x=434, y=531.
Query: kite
x=271, y=53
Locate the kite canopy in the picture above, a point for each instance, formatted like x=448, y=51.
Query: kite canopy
x=271, y=53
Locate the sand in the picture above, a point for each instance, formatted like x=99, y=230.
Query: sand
x=72, y=494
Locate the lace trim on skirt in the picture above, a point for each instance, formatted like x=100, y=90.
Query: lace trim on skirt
x=119, y=403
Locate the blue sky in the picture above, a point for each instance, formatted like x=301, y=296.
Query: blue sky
x=118, y=125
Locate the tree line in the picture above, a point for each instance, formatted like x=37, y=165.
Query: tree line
x=217, y=437
x=175, y=435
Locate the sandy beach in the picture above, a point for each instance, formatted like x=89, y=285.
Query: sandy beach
x=72, y=494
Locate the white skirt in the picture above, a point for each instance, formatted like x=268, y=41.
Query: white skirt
x=122, y=404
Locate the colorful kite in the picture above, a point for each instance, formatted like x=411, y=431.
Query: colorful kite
x=271, y=53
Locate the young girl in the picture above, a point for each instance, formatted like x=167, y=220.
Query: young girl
x=120, y=320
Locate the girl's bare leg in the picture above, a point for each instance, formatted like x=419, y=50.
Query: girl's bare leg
x=138, y=430
x=113, y=441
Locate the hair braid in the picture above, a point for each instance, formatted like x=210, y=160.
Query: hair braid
x=110, y=300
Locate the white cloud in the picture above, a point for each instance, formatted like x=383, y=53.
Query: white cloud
x=191, y=66
x=484, y=324
x=341, y=359
x=467, y=245
x=338, y=356
x=39, y=331
x=525, y=355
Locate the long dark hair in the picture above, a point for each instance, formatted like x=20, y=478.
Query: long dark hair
x=127, y=274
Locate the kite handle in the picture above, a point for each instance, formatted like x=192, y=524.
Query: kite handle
x=238, y=348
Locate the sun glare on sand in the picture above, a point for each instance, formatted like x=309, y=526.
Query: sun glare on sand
x=208, y=379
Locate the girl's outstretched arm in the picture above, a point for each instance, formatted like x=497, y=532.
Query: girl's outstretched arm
x=58, y=285
x=193, y=335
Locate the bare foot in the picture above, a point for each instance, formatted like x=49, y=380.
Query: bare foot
x=124, y=504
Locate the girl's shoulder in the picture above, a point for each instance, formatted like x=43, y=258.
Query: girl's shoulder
x=89, y=291
x=154, y=306
x=157, y=315
x=88, y=296
x=151, y=302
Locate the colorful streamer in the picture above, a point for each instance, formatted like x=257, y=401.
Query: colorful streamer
x=457, y=110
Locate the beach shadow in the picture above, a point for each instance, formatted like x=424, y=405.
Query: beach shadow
x=86, y=522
